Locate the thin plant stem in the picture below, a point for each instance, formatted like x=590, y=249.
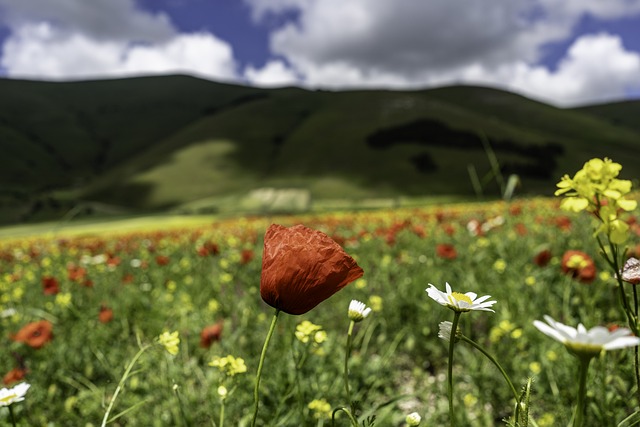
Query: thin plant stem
x=502, y=371
x=346, y=363
x=221, y=423
x=452, y=339
x=124, y=378
x=578, y=420
x=183, y=414
x=346, y=411
x=256, y=391
x=12, y=416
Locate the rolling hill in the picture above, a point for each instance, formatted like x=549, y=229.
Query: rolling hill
x=151, y=143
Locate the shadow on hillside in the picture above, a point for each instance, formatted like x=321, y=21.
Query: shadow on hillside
x=539, y=161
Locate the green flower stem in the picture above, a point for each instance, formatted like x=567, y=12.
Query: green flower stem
x=12, y=416
x=256, y=401
x=578, y=419
x=124, y=378
x=221, y=423
x=346, y=411
x=452, y=339
x=346, y=363
x=615, y=266
x=502, y=371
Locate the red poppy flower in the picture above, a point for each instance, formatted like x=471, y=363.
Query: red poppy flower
x=105, y=315
x=563, y=223
x=246, y=256
x=210, y=334
x=14, y=375
x=446, y=251
x=208, y=248
x=302, y=267
x=521, y=229
x=162, y=260
x=50, y=285
x=35, y=334
x=515, y=210
x=542, y=258
x=76, y=273
x=578, y=265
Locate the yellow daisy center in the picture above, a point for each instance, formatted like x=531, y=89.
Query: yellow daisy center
x=8, y=398
x=457, y=296
x=577, y=262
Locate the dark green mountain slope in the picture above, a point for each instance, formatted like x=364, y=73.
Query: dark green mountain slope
x=156, y=142
x=626, y=113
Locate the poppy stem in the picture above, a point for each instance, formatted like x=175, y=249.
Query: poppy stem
x=452, y=340
x=256, y=401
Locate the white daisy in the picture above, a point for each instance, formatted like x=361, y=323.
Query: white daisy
x=358, y=311
x=587, y=342
x=12, y=395
x=460, y=302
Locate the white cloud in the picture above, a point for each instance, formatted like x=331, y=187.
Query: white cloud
x=597, y=68
x=105, y=20
x=274, y=73
x=42, y=51
x=416, y=43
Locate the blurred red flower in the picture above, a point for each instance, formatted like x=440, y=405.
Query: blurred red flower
x=246, y=256
x=50, y=285
x=446, y=251
x=563, y=223
x=302, y=267
x=162, y=260
x=521, y=229
x=35, y=334
x=14, y=375
x=542, y=258
x=208, y=248
x=515, y=210
x=105, y=315
x=210, y=334
x=578, y=265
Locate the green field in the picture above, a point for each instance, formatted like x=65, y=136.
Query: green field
x=171, y=274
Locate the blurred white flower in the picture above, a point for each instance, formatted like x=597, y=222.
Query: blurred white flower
x=413, y=419
x=13, y=395
x=445, y=330
x=358, y=311
x=587, y=342
x=460, y=302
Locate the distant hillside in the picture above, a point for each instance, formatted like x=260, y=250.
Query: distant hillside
x=626, y=113
x=157, y=142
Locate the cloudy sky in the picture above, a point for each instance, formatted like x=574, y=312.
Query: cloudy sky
x=565, y=52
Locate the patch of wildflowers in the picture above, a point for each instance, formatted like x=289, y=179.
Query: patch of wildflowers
x=321, y=408
x=170, y=341
x=596, y=188
x=229, y=365
x=307, y=331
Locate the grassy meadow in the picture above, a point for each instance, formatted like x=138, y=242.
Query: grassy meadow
x=109, y=292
